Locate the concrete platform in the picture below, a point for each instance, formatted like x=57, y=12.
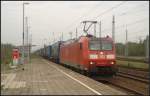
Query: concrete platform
x=42, y=77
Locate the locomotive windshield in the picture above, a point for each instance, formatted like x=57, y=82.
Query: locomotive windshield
x=100, y=45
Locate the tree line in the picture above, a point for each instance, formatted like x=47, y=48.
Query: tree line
x=6, y=53
x=134, y=48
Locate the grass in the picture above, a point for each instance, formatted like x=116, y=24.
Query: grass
x=133, y=58
x=6, y=53
x=135, y=65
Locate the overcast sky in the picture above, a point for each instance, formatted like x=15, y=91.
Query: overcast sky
x=48, y=17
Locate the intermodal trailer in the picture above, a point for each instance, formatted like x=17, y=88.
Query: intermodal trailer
x=47, y=52
x=55, y=49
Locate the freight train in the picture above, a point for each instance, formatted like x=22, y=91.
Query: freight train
x=55, y=51
x=88, y=54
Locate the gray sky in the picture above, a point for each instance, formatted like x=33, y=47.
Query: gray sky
x=46, y=17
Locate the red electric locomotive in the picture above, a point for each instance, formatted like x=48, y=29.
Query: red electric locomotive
x=89, y=54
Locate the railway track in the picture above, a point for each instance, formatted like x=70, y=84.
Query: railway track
x=130, y=85
x=145, y=80
x=142, y=76
x=132, y=80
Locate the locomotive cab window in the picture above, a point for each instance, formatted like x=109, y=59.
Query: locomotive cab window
x=106, y=46
x=94, y=45
x=100, y=45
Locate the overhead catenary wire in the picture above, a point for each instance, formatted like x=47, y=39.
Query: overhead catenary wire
x=132, y=23
x=103, y=12
x=124, y=13
x=138, y=33
x=116, y=6
x=133, y=32
x=132, y=36
x=127, y=14
x=130, y=11
x=86, y=13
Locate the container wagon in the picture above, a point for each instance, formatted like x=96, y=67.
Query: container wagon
x=55, y=49
x=47, y=50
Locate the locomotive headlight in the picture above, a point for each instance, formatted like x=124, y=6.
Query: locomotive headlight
x=93, y=56
x=91, y=63
x=110, y=56
x=101, y=53
x=112, y=62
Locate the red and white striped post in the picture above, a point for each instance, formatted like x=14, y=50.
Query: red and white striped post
x=15, y=56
